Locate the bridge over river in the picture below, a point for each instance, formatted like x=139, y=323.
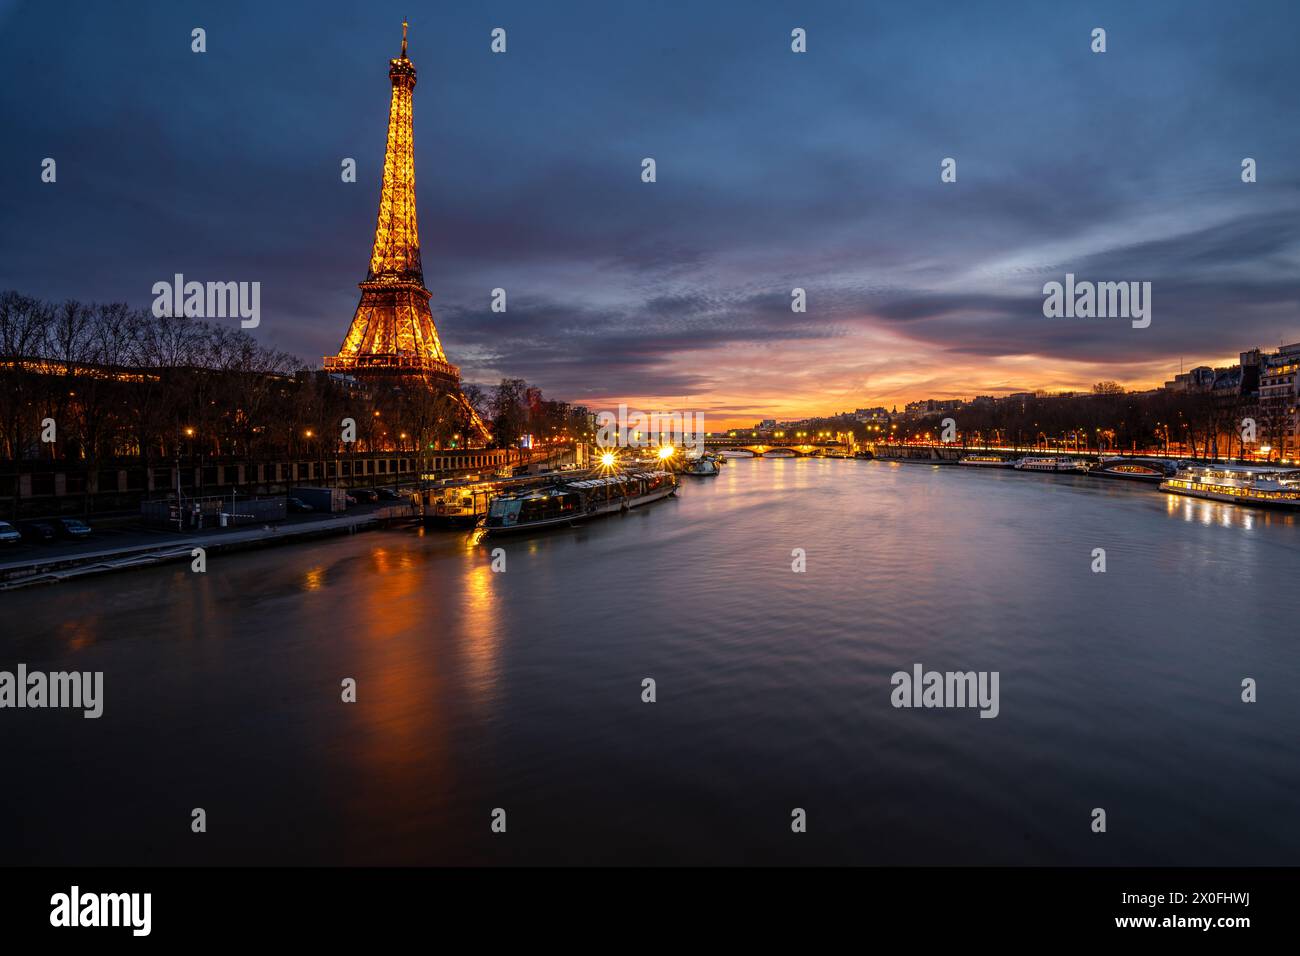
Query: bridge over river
x=799, y=448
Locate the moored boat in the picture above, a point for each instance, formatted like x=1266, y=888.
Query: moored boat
x=463, y=503
x=1049, y=464
x=570, y=501
x=460, y=504
x=987, y=461
x=1267, y=487
x=1152, y=470
x=702, y=467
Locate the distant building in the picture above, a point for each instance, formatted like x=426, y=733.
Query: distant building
x=1263, y=386
x=1252, y=363
x=931, y=406
x=584, y=418
x=1199, y=379
x=1279, y=400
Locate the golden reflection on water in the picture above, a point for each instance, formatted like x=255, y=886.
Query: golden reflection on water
x=79, y=634
x=403, y=598
x=480, y=624
x=392, y=597
x=1224, y=514
x=400, y=685
x=778, y=472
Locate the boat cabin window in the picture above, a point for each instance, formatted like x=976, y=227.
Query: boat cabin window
x=503, y=506
x=548, y=506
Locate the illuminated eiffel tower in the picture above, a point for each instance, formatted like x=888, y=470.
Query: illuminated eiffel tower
x=392, y=332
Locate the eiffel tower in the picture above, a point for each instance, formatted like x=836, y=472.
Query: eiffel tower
x=392, y=334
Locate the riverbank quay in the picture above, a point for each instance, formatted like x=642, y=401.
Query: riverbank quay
x=143, y=547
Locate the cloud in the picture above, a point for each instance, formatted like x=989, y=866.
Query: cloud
x=775, y=171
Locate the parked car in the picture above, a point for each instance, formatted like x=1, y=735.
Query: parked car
x=350, y=500
x=388, y=494
x=71, y=528
x=9, y=534
x=37, y=531
x=298, y=506
x=367, y=495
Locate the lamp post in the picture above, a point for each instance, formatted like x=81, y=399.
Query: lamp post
x=198, y=486
x=319, y=455
x=180, y=517
x=607, y=461
x=198, y=489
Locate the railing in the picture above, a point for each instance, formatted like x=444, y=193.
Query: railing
x=394, y=360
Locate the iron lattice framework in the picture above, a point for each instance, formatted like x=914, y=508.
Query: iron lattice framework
x=393, y=329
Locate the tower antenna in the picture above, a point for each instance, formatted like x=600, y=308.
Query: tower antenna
x=403, y=38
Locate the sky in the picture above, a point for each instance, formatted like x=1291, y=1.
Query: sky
x=775, y=170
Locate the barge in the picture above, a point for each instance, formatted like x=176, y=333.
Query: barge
x=571, y=501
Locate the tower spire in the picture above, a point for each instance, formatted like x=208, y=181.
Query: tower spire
x=403, y=39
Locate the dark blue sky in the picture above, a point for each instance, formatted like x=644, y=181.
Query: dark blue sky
x=775, y=170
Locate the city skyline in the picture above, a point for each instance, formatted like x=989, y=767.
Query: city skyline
x=819, y=171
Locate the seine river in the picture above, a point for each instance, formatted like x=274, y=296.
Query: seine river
x=522, y=690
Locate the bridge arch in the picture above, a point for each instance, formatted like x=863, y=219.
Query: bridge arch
x=763, y=449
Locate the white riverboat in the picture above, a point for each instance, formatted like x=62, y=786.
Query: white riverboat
x=1268, y=487
x=986, y=461
x=704, y=467
x=1049, y=464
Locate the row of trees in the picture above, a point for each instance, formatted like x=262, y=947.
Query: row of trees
x=515, y=409
x=114, y=381
x=1201, y=424
x=105, y=381
x=1196, y=423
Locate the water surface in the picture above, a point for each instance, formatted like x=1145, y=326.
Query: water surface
x=522, y=690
